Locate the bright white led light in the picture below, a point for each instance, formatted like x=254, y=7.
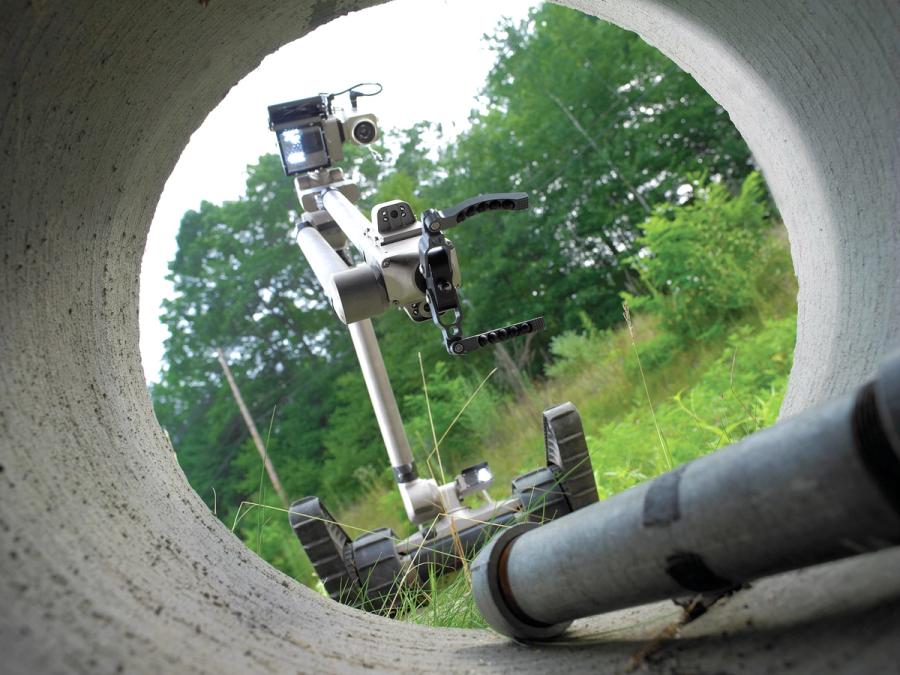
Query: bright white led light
x=291, y=136
x=484, y=475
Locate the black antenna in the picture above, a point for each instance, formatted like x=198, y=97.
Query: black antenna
x=354, y=93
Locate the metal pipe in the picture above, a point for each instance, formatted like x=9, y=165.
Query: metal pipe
x=356, y=293
x=323, y=259
x=817, y=487
x=349, y=218
x=375, y=374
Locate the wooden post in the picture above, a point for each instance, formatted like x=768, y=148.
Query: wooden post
x=257, y=440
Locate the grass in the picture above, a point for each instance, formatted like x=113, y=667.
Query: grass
x=663, y=445
x=708, y=395
x=701, y=398
x=602, y=390
x=450, y=605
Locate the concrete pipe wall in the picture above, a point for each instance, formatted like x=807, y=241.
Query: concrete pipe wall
x=111, y=563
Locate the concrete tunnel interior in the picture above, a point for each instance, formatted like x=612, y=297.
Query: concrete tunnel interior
x=110, y=562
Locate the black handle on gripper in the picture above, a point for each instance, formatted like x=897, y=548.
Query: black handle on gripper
x=505, y=201
x=492, y=337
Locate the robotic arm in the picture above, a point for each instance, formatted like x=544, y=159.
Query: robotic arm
x=407, y=264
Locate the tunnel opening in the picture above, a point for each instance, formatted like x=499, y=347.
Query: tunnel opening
x=116, y=586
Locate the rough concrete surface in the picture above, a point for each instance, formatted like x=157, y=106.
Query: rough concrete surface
x=110, y=563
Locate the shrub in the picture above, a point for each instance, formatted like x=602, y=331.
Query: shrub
x=698, y=261
x=446, y=397
x=574, y=352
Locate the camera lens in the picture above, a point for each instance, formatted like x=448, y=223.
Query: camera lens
x=364, y=132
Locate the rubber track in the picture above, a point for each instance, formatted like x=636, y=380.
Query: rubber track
x=567, y=453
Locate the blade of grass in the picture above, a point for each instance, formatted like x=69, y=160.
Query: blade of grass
x=431, y=420
x=261, y=491
x=465, y=405
x=664, y=446
x=737, y=398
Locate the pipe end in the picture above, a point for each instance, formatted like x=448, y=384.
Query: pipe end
x=498, y=609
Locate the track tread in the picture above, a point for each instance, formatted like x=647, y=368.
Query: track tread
x=328, y=548
x=568, y=455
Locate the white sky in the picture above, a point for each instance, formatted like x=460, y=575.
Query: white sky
x=420, y=83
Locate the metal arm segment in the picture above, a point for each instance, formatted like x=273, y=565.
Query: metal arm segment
x=329, y=267
x=354, y=224
x=354, y=294
x=323, y=259
x=375, y=374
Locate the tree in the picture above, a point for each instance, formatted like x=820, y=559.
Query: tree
x=242, y=285
x=598, y=127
